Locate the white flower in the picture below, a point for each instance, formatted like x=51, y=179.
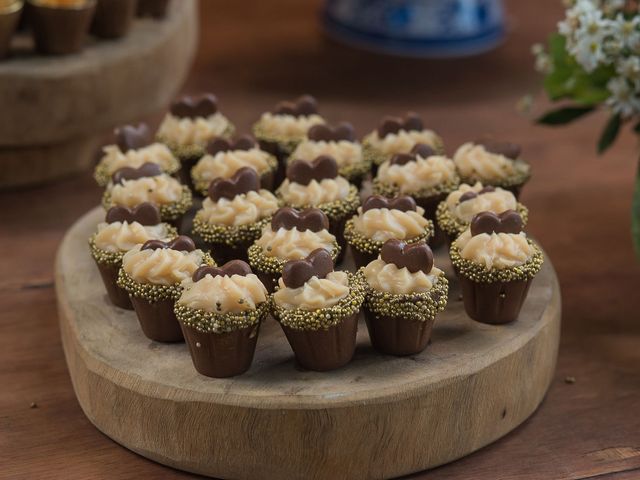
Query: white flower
x=587, y=32
x=627, y=31
x=623, y=99
x=629, y=68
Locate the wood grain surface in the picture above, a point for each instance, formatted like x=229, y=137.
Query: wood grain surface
x=55, y=110
x=253, y=53
x=379, y=417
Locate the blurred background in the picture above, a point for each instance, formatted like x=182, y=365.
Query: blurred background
x=252, y=54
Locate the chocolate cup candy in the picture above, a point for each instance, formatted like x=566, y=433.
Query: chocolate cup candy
x=118, y=296
x=113, y=18
x=221, y=355
x=515, y=189
x=430, y=205
x=397, y=335
x=157, y=319
x=269, y=280
x=186, y=164
x=266, y=182
x=322, y=350
x=336, y=228
x=8, y=24
x=223, y=253
x=60, y=31
x=493, y=303
x=152, y=8
x=360, y=258
x=281, y=155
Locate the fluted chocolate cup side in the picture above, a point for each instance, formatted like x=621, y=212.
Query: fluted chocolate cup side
x=360, y=258
x=430, y=205
x=494, y=303
x=397, y=335
x=118, y=295
x=321, y=349
x=58, y=30
x=8, y=24
x=157, y=319
x=495, y=296
x=113, y=18
x=222, y=355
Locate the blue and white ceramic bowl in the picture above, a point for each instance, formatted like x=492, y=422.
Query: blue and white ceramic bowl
x=419, y=28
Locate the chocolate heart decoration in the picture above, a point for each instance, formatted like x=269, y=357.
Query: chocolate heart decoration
x=411, y=121
x=245, y=142
x=181, y=243
x=467, y=196
x=233, y=267
x=312, y=219
x=303, y=106
x=414, y=257
x=145, y=214
x=129, y=137
x=198, y=106
x=402, y=158
x=244, y=180
x=471, y=194
x=327, y=133
x=296, y=273
x=302, y=172
x=508, y=149
x=423, y=150
x=403, y=203
x=508, y=221
x=130, y=173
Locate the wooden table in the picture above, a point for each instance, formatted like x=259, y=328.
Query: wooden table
x=252, y=54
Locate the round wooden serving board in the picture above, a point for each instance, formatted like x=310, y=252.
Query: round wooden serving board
x=378, y=417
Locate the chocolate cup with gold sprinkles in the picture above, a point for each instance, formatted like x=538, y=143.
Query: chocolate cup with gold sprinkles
x=494, y=303
x=324, y=339
x=221, y=345
x=201, y=186
x=228, y=242
x=118, y=296
x=157, y=320
x=102, y=176
x=494, y=296
x=428, y=199
x=376, y=157
x=514, y=184
x=323, y=350
x=171, y=213
x=338, y=211
x=279, y=147
x=364, y=250
x=109, y=264
x=354, y=173
x=154, y=306
x=453, y=227
x=269, y=269
x=190, y=154
x=402, y=324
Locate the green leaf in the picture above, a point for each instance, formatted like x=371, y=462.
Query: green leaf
x=635, y=214
x=609, y=133
x=563, y=115
x=567, y=79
